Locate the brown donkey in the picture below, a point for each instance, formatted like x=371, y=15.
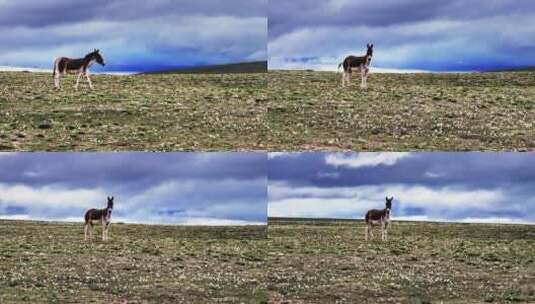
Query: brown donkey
x=80, y=66
x=102, y=215
x=359, y=63
x=382, y=217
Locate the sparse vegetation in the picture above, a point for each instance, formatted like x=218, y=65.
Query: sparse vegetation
x=50, y=263
x=400, y=112
x=323, y=261
x=165, y=112
x=294, y=110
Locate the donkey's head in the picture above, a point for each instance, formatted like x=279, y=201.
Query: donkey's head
x=98, y=58
x=389, y=203
x=110, y=202
x=369, y=51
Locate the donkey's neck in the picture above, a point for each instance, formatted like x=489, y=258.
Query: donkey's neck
x=88, y=61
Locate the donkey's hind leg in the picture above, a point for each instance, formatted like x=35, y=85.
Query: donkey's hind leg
x=77, y=80
x=103, y=223
x=86, y=227
x=56, y=73
x=366, y=232
x=89, y=231
x=56, y=80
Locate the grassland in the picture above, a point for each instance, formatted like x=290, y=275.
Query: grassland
x=167, y=112
x=399, y=112
x=50, y=263
x=329, y=262
x=293, y=110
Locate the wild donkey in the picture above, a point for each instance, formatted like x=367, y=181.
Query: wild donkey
x=80, y=66
x=102, y=215
x=360, y=63
x=382, y=217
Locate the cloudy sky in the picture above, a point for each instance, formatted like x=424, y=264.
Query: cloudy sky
x=156, y=188
x=449, y=35
x=465, y=187
x=133, y=35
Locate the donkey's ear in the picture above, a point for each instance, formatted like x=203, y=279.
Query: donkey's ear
x=112, y=198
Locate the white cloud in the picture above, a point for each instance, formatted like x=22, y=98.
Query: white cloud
x=7, y=154
x=472, y=220
x=331, y=175
x=364, y=159
x=48, y=197
x=272, y=155
x=432, y=174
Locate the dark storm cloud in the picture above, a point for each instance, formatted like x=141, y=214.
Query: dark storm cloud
x=430, y=169
x=127, y=169
x=286, y=16
x=53, y=12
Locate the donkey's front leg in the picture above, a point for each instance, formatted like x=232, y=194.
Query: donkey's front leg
x=103, y=223
x=383, y=236
x=89, y=80
x=366, y=232
x=363, y=74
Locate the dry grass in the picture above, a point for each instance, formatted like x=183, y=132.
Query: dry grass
x=329, y=262
x=400, y=112
x=171, y=112
x=50, y=263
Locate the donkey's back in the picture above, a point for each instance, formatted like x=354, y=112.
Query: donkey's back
x=93, y=214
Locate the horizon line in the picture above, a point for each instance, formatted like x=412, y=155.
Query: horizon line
x=405, y=219
x=231, y=223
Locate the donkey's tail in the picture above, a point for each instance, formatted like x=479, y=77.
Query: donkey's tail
x=340, y=65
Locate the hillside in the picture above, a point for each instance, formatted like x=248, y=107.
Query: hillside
x=163, y=112
x=401, y=112
x=245, y=67
x=50, y=263
x=328, y=261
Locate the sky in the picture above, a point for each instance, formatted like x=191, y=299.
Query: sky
x=151, y=188
x=133, y=35
x=449, y=35
x=439, y=186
